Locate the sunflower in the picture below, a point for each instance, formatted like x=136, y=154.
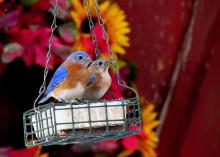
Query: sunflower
x=145, y=142
x=116, y=26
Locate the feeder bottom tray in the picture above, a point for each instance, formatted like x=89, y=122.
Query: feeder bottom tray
x=85, y=136
x=99, y=130
x=66, y=123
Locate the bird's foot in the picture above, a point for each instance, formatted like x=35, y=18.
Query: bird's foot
x=79, y=100
x=112, y=94
x=75, y=101
x=60, y=100
x=82, y=100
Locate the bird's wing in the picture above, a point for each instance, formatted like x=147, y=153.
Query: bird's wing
x=91, y=79
x=57, y=78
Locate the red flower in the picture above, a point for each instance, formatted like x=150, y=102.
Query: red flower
x=30, y=152
x=109, y=146
x=10, y=19
x=34, y=44
x=100, y=38
x=130, y=143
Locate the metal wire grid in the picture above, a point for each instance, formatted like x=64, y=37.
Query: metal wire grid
x=44, y=127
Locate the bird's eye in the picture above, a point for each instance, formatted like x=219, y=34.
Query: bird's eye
x=80, y=57
x=100, y=63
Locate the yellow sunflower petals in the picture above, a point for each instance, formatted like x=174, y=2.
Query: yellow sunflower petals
x=118, y=49
x=44, y=155
x=123, y=31
x=104, y=6
x=122, y=38
x=149, y=153
x=114, y=19
x=125, y=153
x=121, y=25
x=113, y=12
x=120, y=17
x=121, y=42
x=79, y=8
x=152, y=125
x=148, y=109
x=75, y=18
x=151, y=116
x=151, y=144
x=152, y=136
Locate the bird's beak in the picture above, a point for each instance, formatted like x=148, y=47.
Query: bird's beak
x=107, y=64
x=87, y=62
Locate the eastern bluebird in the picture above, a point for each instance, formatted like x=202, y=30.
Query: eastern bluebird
x=101, y=80
x=70, y=79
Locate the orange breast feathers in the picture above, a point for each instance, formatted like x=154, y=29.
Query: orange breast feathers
x=76, y=74
x=99, y=87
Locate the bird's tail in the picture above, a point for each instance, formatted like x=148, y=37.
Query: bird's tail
x=44, y=98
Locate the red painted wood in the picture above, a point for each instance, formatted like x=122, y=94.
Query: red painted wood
x=190, y=129
x=157, y=31
x=203, y=135
x=158, y=27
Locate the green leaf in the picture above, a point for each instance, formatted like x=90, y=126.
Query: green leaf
x=11, y=51
x=120, y=64
x=69, y=4
x=68, y=31
x=28, y=2
x=102, y=154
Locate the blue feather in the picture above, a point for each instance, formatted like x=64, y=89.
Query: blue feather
x=91, y=79
x=57, y=78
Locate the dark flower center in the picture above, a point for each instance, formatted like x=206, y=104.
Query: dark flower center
x=85, y=25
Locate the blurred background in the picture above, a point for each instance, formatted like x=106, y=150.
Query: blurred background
x=167, y=50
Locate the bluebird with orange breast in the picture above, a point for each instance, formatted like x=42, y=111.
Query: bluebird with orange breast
x=70, y=79
x=101, y=82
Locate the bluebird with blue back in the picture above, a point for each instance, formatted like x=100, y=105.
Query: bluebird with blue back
x=70, y=79
x=100, y=80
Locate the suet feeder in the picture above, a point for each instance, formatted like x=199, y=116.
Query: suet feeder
x=86, y=121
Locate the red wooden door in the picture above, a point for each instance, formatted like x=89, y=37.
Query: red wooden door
x=176, y=45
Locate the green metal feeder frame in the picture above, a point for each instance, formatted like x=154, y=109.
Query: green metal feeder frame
x=93, y=121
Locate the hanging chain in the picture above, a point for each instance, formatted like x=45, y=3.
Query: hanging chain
x=91, y=27
x=105, y=36
x=51, y=41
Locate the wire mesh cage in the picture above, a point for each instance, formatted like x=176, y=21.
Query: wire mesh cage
x=69, y=123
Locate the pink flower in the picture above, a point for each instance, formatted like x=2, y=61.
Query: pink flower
x=10, y=19
x=101, y=41
x=87, y=42
x=34, y=44
x=30, y=152
x=130, y=143
x=109, y=146
x=88, y=46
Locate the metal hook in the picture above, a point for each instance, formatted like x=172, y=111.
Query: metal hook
x=46, y=69
x=105, y=35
